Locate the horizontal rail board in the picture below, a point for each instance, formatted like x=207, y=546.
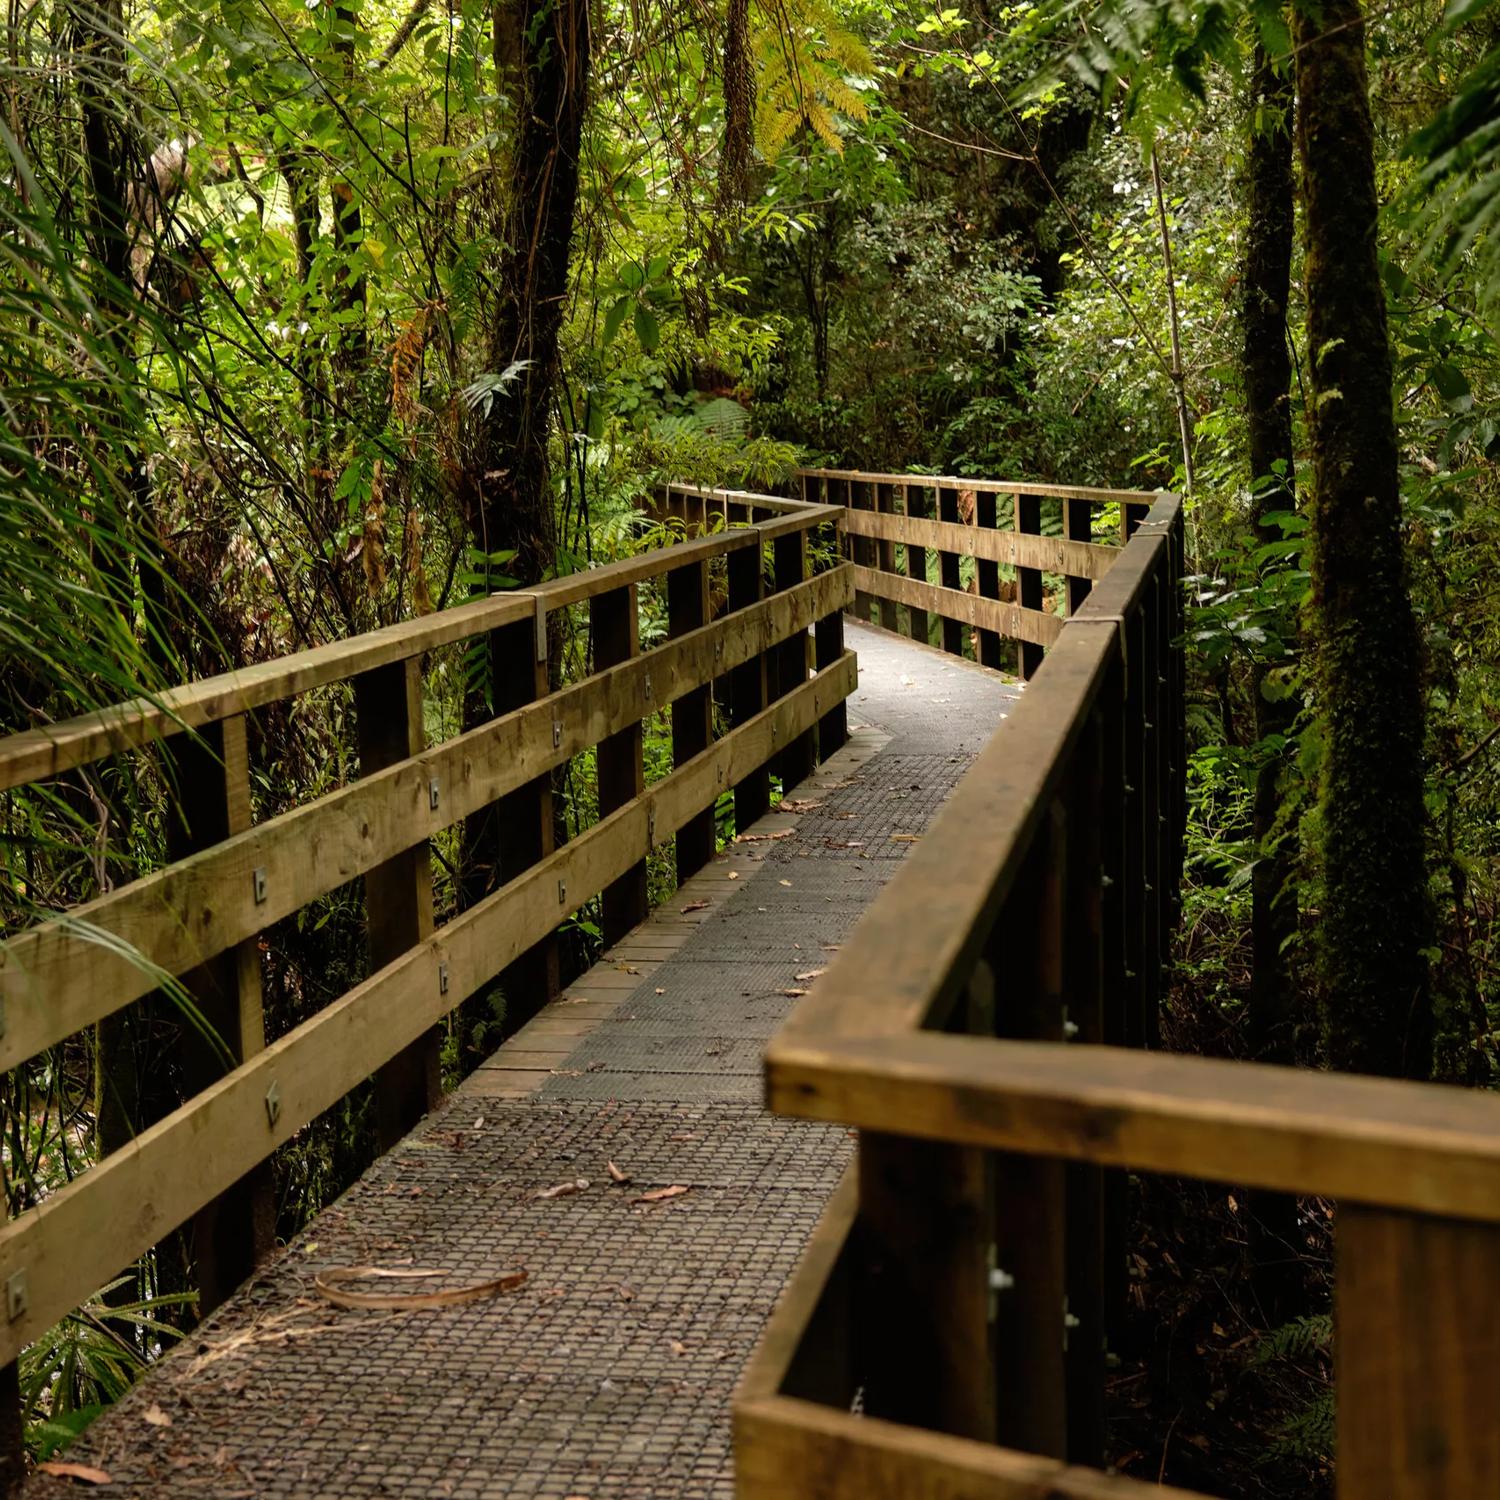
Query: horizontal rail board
x=48, y=751
x=80, y=1236
x=787, y=1446
x=992, y=486
x=1018, y=548
x=1011, y=620
x=63, y=976
x=1421, y=1147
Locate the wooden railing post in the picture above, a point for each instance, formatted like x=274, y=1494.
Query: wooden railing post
x=796, y=760
x=885, y=505
x=752, y=796
x=210, y=794
x=614, y=623
x=924, y=1292
x=861, y=548
x=914, y=503
x=692, y=714
x=949, y=573
x=987, y=575
x=1152, y=787
x=398, y=893
x=828, y=647
x=1416, y=1350
x=1029, y=593
x=1133, y=985
x=1116, y=987
x=1083, y=985
x=519, y=675
x=1027, y=954
x=1078, y=526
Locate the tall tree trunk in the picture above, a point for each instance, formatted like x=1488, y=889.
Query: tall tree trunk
x=509, y=499
x=1376, y=923
x=1267, y=367
x=515, y=495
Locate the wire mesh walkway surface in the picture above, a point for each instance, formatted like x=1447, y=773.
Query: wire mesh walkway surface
x=608, y=1373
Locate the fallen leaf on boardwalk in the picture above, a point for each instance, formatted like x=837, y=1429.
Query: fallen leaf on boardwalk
x=811, y=974
x=563, y=1189
x=844, y=843
x=764, y=838
x=785, y=882
x=905, y=838
x=84, y=1472
x=660, y=990
x=627, y=1292
x=627, y=968
x=677, y=1347
x=798, y=805
x=733, y=875
x=657, y=1194
x=156, y=1417
x=411, y=1300
x=695, y=906
x=794, y=994
x=616, y=1173
x=479, y=1123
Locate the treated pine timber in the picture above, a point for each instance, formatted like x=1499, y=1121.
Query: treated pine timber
x=752, y=795
x=787, y=1446
x=520, y=674
x=1417, y=1350
x=688, y=610
x=614, y=621
x=1026, y=955
x=150, y=1186
x=950, y=577
x=186, y=913
x=923, y=1297
x=1423, y=1148
x=211, y=802
x=48, y=751
x=1029, y=595
x=914, y=504
x=959, y=607
x=790, y=561
x=885, y=553
x=1016, y=549
x=987, y=578
x=398, y=892
x=1078, y=527
x=1083, y=987
x=1141, y=498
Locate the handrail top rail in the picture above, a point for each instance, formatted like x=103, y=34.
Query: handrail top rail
x=1099, y=494
x=48, y=750
x=887, y=985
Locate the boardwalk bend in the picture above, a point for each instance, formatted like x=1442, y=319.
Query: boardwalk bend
x=817, y=1177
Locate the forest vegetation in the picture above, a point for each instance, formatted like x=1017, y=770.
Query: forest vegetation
x=317, y=315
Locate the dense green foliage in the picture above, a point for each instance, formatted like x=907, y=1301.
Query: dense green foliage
x=256, y=283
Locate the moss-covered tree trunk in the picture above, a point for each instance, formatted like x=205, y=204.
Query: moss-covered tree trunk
x=509, y=504
x=1267, y=367
x=1375, y=922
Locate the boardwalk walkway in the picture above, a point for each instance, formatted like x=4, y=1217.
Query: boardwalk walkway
x=609, y=1373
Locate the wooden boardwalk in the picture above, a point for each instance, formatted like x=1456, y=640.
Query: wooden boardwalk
x=609, y=1371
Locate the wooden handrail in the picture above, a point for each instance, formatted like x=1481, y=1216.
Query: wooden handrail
x=941, y=1032
x=70, y=972
x=48, y=750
